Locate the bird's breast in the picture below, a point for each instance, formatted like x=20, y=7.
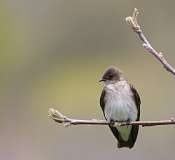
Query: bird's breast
x=119, y=105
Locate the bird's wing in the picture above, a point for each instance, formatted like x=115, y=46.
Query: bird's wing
x=102, y=101
x=137, y=100
x=135, y=128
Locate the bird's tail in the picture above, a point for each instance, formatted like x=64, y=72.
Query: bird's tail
x=131, y=140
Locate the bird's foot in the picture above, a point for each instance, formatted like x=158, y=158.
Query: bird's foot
x=111, y=123
x=121, y=123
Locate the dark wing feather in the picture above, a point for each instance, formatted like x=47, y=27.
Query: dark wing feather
x=135, y=128
x=137, y=100
x=102, y=100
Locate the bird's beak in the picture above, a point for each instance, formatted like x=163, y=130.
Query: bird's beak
x=101, y=80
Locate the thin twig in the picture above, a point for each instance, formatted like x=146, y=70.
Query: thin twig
x=60, y=118
x=158, y=55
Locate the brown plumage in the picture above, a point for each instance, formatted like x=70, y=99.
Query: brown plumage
x=108, y=75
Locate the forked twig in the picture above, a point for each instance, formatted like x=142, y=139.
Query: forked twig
x=132, y=20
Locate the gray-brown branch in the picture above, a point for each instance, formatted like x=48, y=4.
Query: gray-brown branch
x=60, y=118
x=132, y=20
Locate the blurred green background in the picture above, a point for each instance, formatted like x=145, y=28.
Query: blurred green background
x=52, y=54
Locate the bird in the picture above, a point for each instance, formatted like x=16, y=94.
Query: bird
x=120, y=102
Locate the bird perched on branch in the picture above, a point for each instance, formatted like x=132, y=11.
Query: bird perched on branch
x=120, y=102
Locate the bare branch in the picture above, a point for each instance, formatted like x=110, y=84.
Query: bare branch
x=60, y=118
x=132, y=20
x=158, y=55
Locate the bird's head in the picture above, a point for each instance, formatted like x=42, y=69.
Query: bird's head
x=111, y=75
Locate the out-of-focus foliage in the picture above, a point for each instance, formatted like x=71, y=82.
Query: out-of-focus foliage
x=53, y=52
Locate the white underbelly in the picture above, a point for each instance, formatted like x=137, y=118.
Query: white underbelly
x=117, y=113
x=120, y=106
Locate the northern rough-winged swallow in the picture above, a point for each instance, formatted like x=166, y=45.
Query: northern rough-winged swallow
x=120, y=102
